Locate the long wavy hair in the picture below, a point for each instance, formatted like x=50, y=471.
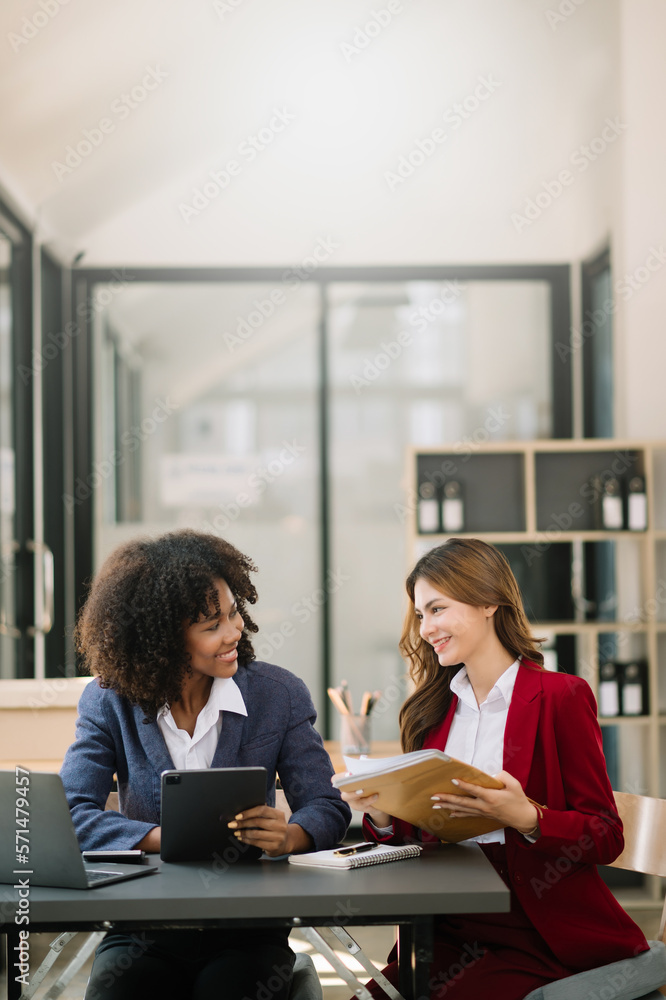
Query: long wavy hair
x=472, y=572
x=131, y=629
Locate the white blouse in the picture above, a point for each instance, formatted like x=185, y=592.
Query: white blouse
x=196, y=751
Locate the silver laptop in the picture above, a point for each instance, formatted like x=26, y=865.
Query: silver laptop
x=36, y=814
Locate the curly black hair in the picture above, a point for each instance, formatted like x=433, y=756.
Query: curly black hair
x=131, y=629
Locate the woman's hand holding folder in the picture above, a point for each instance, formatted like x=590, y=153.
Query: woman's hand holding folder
x=447, y=797
x=509, y=805
x=365, y=804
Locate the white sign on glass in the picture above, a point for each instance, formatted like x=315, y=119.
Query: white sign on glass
x=206, y=480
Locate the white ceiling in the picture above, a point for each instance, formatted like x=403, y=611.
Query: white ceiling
x=229, y=64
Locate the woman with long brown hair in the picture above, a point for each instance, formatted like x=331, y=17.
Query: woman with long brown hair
x=482, y=696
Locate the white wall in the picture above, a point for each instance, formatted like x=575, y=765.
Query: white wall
x=560, y=77
x=641, y=223
x=554, y=83
x=554, y=87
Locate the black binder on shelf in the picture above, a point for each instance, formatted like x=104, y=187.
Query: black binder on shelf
x=636, y=513
x=544, y=578
x=427, y=509
x=453, y=507
x=635, y=688
x=623, y=689
x=609, y=689
x=608, y=503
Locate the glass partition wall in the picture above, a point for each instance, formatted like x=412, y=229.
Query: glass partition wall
x=415, y=363
x=207, y=401
x=277, y=413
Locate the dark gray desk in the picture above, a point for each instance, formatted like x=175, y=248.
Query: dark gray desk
x=451, y=879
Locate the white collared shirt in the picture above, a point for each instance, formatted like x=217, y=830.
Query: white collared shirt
x=477, y=731
x=196, y=751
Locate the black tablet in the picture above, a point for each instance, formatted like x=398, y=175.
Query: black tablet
x=198, y=804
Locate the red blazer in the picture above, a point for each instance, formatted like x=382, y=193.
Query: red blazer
x=552, y=745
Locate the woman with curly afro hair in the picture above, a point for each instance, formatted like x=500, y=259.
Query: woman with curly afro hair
x=166, y=632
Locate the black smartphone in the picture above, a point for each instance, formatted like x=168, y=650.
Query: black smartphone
x=134, y=857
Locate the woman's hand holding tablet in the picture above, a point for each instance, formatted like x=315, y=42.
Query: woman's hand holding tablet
x=268, y=829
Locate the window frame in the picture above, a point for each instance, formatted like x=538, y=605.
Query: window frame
x=84, y=281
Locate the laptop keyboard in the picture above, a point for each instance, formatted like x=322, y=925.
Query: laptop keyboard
x=97, y=876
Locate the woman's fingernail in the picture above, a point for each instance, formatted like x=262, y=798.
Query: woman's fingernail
x=240, y=816
x=434, y=798
x=454, y=781
x=438, y=807
x=237, y=834
x=232, y=825
x=359, y=791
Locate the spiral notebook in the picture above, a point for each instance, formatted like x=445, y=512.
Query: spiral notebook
x=377, y=856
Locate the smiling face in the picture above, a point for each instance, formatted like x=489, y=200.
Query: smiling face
x=212, y=641
x=459, y=633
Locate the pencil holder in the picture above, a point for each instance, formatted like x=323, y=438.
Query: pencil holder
x=355, y=734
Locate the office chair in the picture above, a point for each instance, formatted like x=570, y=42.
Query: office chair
x=642, y=977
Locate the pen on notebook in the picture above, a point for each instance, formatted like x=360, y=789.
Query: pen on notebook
x=355, y=849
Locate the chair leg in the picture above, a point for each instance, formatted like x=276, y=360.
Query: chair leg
x=68, y=973
x=322, y=946
x=354, y=948
x=55, y=948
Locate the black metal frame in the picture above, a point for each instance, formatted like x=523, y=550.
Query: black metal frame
x=589, y=271
x=84, y=280
x=22, y=417
x=54, y=431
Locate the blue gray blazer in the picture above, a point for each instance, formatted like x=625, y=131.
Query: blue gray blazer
x=113, y=737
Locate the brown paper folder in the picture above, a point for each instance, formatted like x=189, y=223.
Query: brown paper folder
x=406, y=784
